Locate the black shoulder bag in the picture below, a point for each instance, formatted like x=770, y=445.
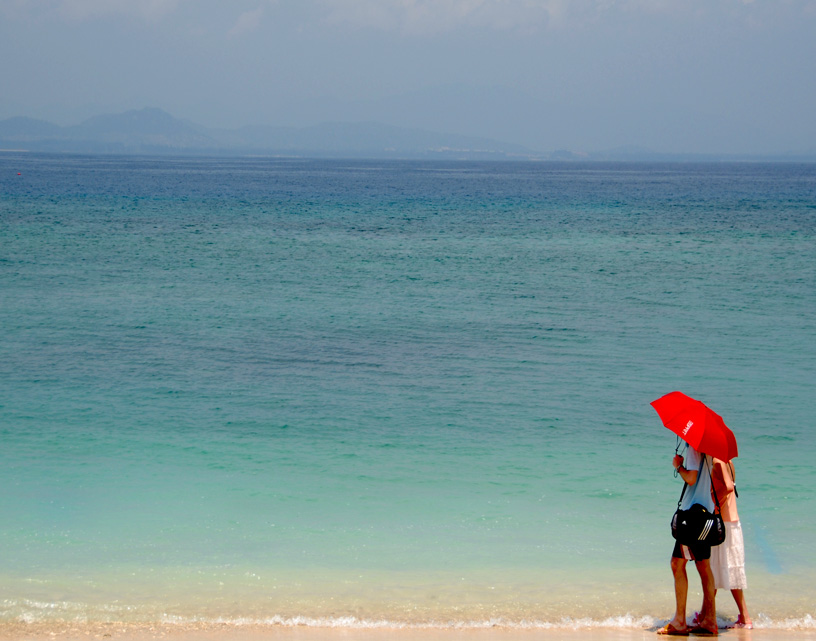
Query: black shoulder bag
x=696, y=525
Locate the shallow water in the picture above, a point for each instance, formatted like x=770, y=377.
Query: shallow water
x=401, y=392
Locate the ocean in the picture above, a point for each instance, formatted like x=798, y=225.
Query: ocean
x=394, y=394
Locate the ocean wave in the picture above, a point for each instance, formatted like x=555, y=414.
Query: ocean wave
x=622, y=622
x=41, y=612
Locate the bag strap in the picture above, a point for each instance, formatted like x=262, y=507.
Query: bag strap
x=733, y=477
x=680, y=500
x=705, y=462
x=685, y=485
x=713, y=489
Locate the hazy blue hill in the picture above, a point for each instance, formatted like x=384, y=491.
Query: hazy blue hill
x=21, y=128
x=253, y=136
x=454, y=107
x=364, y=138
x=153, y=130
x=370, y=136
x=640, y=154
x=144, y=128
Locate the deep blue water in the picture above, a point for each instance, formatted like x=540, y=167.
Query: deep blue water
x=397, y=391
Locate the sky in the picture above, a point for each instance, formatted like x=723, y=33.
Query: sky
x=675, y=76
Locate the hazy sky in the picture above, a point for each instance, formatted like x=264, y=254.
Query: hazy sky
x=670, y=75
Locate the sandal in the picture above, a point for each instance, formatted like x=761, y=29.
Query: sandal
x=700, y=631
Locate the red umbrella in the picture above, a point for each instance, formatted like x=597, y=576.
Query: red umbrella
x=697, y=425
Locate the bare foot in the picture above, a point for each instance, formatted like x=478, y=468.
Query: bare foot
x=745, y=624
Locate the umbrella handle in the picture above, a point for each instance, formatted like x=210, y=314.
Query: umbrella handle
x=677, y=451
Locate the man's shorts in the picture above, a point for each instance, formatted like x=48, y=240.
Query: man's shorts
x=700, y=552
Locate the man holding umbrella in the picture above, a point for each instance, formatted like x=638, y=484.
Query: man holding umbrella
x=696, y=473
x=705, y=435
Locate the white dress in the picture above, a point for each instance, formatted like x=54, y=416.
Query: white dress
x=728, y=559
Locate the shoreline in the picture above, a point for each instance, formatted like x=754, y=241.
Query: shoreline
x=200, y=631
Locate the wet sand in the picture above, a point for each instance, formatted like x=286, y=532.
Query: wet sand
x=230, y=632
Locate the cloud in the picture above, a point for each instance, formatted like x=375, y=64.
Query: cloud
x=431, y=17
x=85, y=9
x=247, y=22
x=426, y=17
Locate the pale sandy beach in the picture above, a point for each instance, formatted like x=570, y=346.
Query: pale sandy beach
x=223, y=632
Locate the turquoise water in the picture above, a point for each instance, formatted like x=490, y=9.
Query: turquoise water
x=359, y=393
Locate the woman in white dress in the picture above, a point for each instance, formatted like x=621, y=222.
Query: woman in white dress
x=728, y=559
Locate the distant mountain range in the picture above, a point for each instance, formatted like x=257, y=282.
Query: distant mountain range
x=154, y=131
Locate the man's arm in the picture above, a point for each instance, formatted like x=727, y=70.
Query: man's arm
x=689, y=476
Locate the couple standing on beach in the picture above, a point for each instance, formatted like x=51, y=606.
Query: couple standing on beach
x=720, y=567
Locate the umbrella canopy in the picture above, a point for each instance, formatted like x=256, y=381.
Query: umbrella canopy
x=697, y=425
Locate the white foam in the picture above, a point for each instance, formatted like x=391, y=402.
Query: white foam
x=620, y=622
x=33, y=611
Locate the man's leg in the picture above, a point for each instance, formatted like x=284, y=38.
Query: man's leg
x=678, y=567
x=708, y=614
